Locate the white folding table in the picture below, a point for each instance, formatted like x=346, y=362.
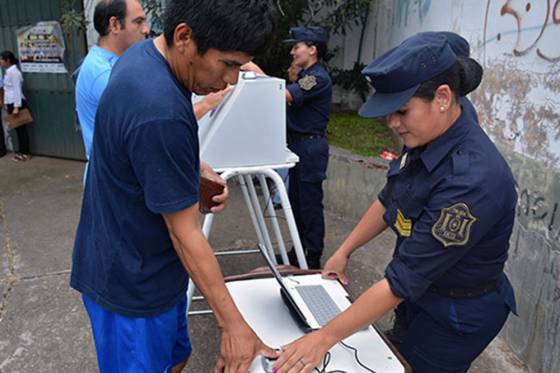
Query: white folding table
x=260, y=303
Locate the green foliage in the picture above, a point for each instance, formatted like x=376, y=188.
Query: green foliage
x=352, y=80
x=154, y=11
x=72, y=20
x=363, y=136
x=336, y=16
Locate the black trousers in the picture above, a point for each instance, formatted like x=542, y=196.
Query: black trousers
x=21, y=131
x=2, y=143
x=306, y=191
x=306, y=199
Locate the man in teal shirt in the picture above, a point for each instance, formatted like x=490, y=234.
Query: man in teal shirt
x=120, y=23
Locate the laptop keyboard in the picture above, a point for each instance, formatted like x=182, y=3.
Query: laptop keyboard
x=319, y=302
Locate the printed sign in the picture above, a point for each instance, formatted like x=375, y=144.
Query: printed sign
x=41, y=48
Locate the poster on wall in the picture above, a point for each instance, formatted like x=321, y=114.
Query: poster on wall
x=41, y=48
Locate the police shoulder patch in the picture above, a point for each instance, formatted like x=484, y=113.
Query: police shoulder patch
x=307, y=82
x=453, y=228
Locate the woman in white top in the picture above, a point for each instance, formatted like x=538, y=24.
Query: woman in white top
x=14, y=100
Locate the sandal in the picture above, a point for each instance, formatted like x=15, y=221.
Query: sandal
x=21, y=157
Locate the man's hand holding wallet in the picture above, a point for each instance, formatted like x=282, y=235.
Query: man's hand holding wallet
x=213, y=191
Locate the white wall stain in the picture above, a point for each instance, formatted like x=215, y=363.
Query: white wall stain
x=17, y=353
x=26, y=338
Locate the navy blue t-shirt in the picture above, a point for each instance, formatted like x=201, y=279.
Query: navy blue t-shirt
x=144, y=163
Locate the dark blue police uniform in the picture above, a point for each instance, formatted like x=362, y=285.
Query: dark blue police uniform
x=451, y=204
x=307, y=117
x=461, y=48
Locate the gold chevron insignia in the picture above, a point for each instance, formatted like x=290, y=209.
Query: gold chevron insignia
x=403, y=225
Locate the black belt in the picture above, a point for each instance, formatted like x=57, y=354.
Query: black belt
x=297, y=137
x=464, y=292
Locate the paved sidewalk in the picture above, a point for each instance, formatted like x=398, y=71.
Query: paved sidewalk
x=43, y=326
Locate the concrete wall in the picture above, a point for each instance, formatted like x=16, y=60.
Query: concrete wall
x=518, y=102
x=91, y=34
x=534, y=265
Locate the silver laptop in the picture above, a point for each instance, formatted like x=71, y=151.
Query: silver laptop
x=311, y=305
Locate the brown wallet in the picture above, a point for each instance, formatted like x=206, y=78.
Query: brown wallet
x=207, y=190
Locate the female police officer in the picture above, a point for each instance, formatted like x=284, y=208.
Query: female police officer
x=461, y=47
x=309, y=106
x=450, y=199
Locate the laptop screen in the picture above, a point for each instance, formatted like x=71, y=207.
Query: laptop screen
x=272, y=267
x=285, y=293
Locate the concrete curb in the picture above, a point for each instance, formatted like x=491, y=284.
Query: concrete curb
x=353, y=182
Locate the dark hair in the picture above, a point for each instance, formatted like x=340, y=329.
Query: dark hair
x=321, y=48
x=462, y=78
x=226, y=25
x=106, y=9
x=10, y=57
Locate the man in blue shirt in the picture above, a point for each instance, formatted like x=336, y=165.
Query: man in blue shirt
x=139, y=237
x=120, y=23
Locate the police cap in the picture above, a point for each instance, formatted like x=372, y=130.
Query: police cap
x=313, y=34
x=397, y=74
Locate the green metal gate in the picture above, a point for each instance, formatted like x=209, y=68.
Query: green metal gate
x=50, y=96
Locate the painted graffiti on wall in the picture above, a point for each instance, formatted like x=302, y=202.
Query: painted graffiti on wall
x=514, y=113
x=519, y=98
x=407, y=8
x=553, y=270
x=518, y=104
x=539, y=212
x=535, y=21
x=517, y=42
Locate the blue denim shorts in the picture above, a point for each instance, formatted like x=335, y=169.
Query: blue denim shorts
x=139, y=344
